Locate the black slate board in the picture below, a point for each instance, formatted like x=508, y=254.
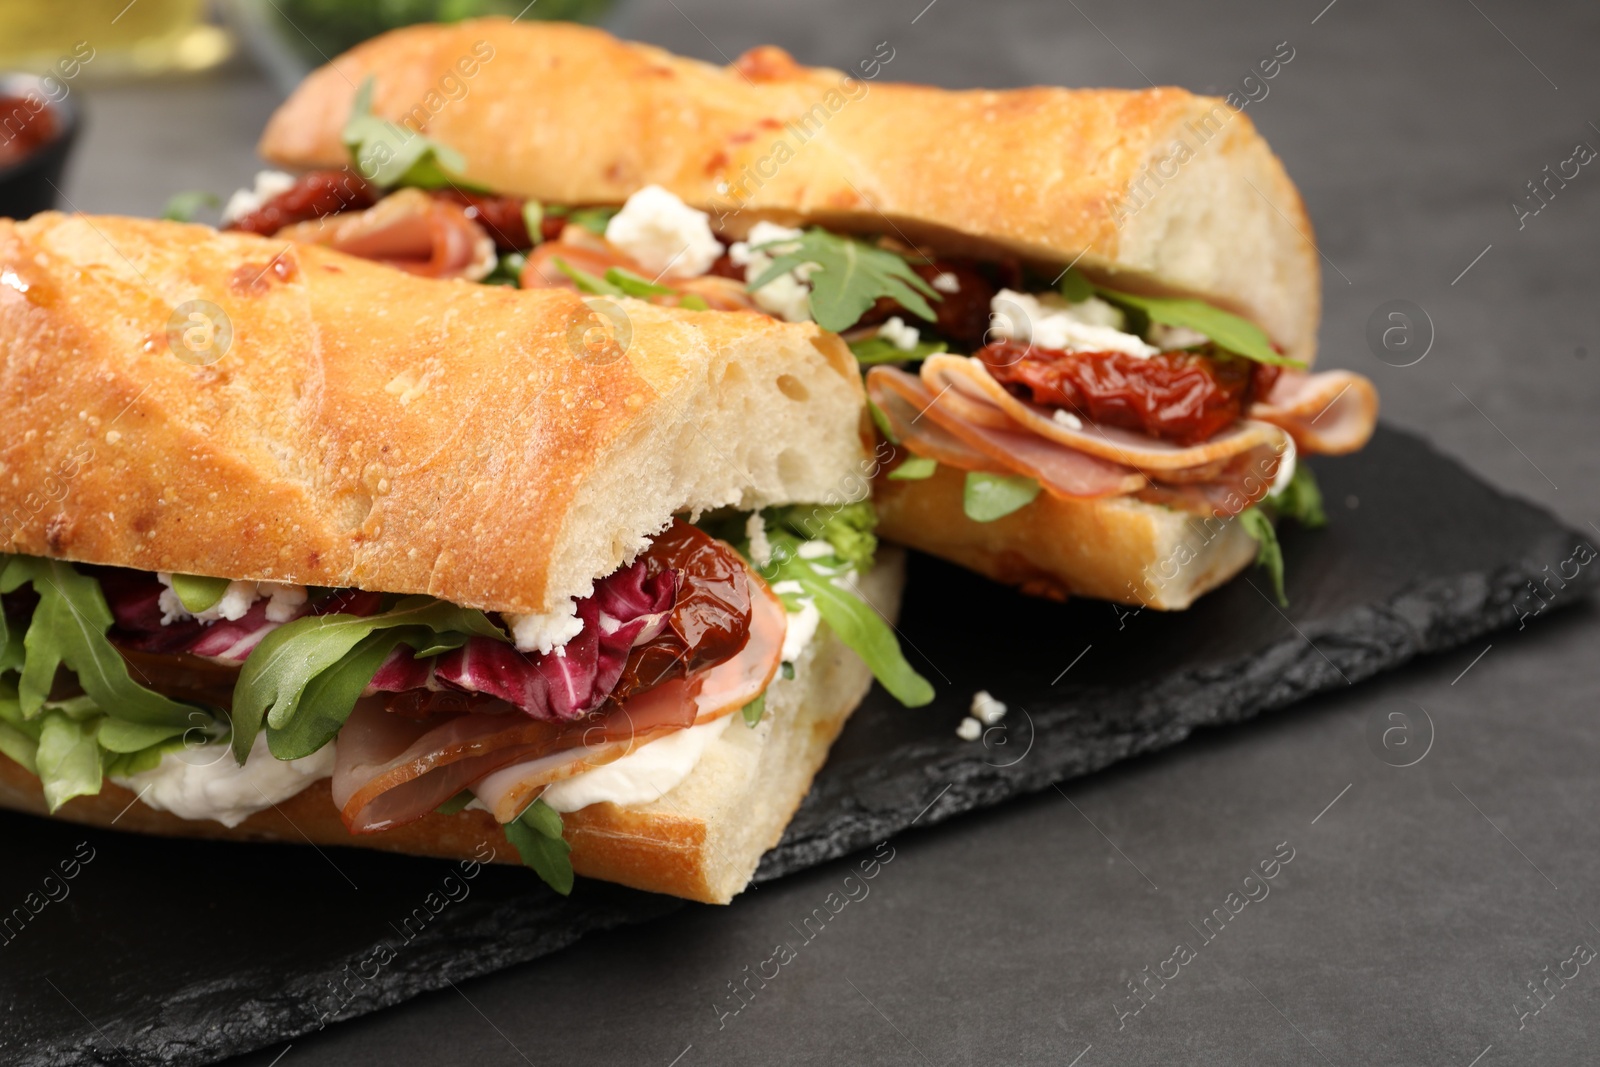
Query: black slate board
x=184, y=952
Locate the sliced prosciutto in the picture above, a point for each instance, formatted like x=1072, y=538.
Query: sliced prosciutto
x=1333, y=412
x=409, y=229
x=685, y=634
x=1065, y=472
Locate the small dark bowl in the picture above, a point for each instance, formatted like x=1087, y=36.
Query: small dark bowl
x=31, y=184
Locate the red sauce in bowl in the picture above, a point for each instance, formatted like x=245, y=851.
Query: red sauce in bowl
x=27, y=123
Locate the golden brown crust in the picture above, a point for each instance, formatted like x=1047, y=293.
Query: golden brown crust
x=1155, y=188
x=369, y=428
x=1118, y=549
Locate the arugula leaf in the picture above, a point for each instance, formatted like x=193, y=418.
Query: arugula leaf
x=847, y=527
x=507, y=270
x=753, y=710
x=1075, y=287
x=68, y=758
x=456, y=803
x=632, y=284
x=536, y=835
x=694, y=302
x=196, y=594
x=847, y=277
x=1270, y=554
x=872, y=350
x=881, y=421
x=856, y=622
x=387, y=154
x=533, y=219
x=181, y=207
x=1301, y=499
x=275, y=678
x=331, y=696
x=987, y=497
x=787, y=670
x=914, y=469
x=586, y=282
x=593, y=219
x=69, y=627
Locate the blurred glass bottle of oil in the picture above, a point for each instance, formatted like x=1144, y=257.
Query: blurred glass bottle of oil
x=125, y=37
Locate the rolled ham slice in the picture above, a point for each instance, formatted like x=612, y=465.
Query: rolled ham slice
x=1331, y=413
x=969, y=384
x=392, y=769
x=1064, y=471
x=410, y=230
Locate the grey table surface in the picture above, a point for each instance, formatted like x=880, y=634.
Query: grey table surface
x=1421, y=901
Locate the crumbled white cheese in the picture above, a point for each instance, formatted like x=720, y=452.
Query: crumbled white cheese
x=1050, y=322
x=814, y=550
x=755, y=528
x=788, y=587
x=986, y=709
x=898, y=333
x=970, y=729
x=1097, y=312
x=1168, y=338
x=802, y=627
x=786, y=296
x=1286, y=461
x=284, y=602
x=946, y=282
x=544, y=632
x=205, y=782
x=268, y=184
x=1063, y=417
x=664, y=235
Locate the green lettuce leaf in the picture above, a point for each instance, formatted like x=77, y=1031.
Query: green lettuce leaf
x=1301, y=499
x=533, y=219
x=586, y=282
x=196, y=594
x=68, y=759
x=881, y=421
x=593, y=219
x=536, y=835
x=69, y=627
x=914, y=469
x=752, y=711
x=331, y=696
x=1269, y=554
x=848, y=528
x=273, y=682
x=507, y=270
x=873, y=350
x=1237, y=335
x=987, y=497
x=182, y=207
x=856, y=622
x=387, y=154
x=632, y=284
x=848, y=277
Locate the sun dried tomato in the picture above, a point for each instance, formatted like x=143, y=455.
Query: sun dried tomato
x=1184, y=397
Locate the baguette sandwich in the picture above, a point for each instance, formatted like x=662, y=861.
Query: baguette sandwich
x=1087, y=317
x=297, y=547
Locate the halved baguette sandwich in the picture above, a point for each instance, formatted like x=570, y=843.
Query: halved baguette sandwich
x=1112, y=295
x=299, y=547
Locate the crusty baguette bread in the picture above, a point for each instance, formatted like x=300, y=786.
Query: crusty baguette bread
x=369, y=428
x=702, y=840
x=571, y=115
x=1119, y=549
